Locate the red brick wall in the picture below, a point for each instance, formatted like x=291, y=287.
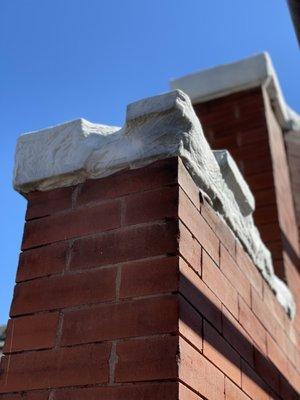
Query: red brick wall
x=130, y=287
x=246, y=334
x=293, y=151
x=244, y=123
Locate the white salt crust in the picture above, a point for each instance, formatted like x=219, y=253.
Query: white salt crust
x=156, y=128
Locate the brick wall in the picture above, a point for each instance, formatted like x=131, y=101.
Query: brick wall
x=244, y=123
x=293, y=151
x=131, y=287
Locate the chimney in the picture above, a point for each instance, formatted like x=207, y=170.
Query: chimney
x=142, y=274
x=241, y=108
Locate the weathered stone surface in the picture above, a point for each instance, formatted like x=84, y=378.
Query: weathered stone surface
x=235, y=181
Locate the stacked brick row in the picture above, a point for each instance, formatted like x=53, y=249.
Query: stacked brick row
x=130, y=287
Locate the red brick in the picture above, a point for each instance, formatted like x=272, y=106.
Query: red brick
x=43, y=261
x=219, y=284
x=151, y=205
x=274, y=306
x=234, y=275
x=259, y=181
x=284, y=342
x=190, y=249
x=232, y=392
x=265, y=197
x=188, y=185
x=81, y=365
x=64, y=291
x=31, y=332
x=292, y=351
x=36, y=395
x=158, y=275
x=269, y=232
x=225, y=142
x=220, y=353
x=229, y=121
x=266, y=370
x=276, y=250
x=41, y=204
x=289, y=389
x=199, y=374
x=187, y=394
x=252, y=136
x=125, y=245
x=287, y=392
x=263, y=313
x=253, y=385
x=266, y=214
x=143, y=317
x=237, y=336
x=194, y=221
x=294, y=377
x=75, y=223
x=153, y=176
x=249, y=269
x=199, y=295
x=252, y=325
x=224, y=125
x=273, y=395
x=278, y=358
x=147, y=359
x=162, y=390
x=257, y=166
x=220, y=228
x=190, y=324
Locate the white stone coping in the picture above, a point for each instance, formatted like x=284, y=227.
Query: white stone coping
x=230, y=78
x=156, y=128
x=235, y=181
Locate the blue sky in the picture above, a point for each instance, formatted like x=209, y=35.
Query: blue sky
x=64, y=59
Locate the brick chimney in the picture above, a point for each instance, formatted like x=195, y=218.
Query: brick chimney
x=142, y=275
x=241, y=108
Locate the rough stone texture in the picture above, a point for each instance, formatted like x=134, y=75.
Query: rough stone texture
x=231, y=78
x=235, y=181
x=156, y=128
x=57, y=156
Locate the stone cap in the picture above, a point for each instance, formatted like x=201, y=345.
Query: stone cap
x=234, y=77
x=156, y=128
x=235, y=181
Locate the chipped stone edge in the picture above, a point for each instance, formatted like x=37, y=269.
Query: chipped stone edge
x=156, y=128
x=230, y=78
x=235, y=181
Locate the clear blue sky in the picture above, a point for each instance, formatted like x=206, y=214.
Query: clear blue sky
x=64, y=59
